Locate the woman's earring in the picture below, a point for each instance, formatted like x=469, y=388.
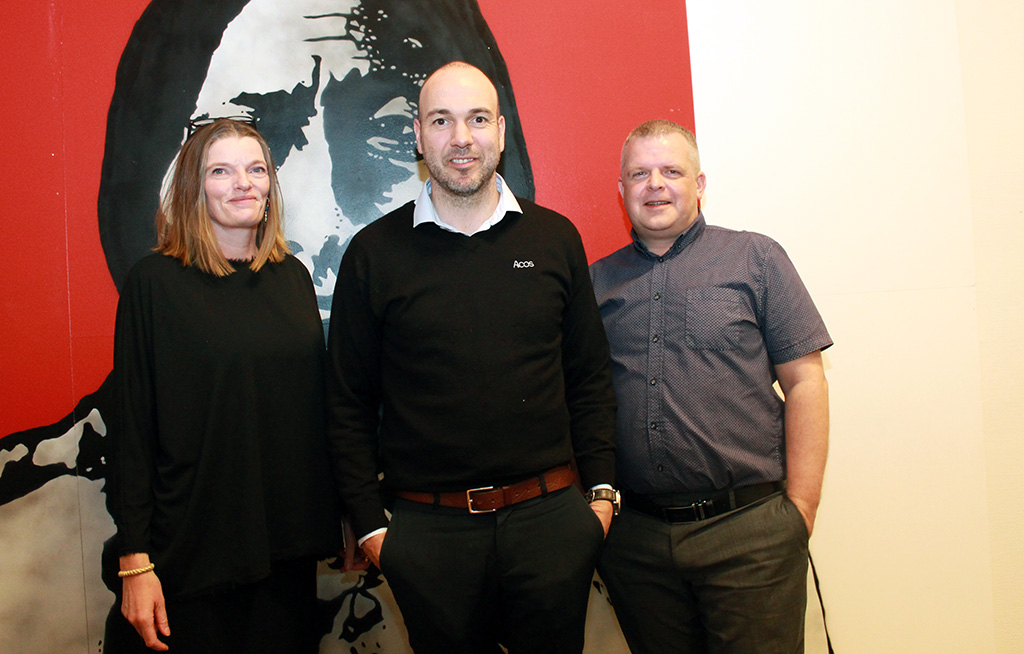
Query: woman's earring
x=266, y=210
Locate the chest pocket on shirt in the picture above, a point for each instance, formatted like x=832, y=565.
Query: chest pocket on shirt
x=714, y=317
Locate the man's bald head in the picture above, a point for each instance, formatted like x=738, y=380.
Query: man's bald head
x=455, y=74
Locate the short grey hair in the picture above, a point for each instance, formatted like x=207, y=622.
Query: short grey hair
x=659, y=127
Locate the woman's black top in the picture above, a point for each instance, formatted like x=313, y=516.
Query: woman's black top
x=219, y=461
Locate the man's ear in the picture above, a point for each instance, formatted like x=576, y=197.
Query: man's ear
x=416, y=131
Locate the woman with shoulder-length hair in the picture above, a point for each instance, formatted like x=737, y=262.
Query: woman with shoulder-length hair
x=195, y=226
x=219, y=479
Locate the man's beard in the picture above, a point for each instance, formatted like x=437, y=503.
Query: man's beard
x=459, y=185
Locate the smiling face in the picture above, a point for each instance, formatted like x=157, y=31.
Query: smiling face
x=661, y=187
x=236, y=183
x=460, y=132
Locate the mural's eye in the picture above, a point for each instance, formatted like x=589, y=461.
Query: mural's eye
x=282, y=115
x=390, y=131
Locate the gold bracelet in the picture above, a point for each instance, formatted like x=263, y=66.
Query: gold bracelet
x=136, y=571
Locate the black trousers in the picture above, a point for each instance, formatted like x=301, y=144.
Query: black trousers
x=276, y=615
x=519, y=576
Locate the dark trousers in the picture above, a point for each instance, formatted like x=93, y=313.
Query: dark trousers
x=276, y=615
x=735, y=584
x=519, y=576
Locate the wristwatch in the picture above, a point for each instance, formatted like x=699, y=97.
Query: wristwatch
x=609, y=494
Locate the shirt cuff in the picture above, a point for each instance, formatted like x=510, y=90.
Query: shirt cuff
x=371, y=535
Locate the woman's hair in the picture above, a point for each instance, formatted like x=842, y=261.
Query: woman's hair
x=183, y=225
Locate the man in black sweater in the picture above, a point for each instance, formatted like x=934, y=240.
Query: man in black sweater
x=470, y=365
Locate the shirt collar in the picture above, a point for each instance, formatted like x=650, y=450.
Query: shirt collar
x=424, y=211
x=684, y=239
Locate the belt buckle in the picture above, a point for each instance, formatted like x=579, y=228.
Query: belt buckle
x=693, y=513
x=698, y=509
x=469, y=499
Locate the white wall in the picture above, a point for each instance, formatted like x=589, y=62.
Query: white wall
x=992, y=52
x=881, y=143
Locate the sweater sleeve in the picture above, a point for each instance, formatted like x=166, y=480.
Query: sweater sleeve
x=133, y=437
x=354, y=392
x=586, y=363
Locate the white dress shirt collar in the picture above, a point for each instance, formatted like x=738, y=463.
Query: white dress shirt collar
x=424, y=212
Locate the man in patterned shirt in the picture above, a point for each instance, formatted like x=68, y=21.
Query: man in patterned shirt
x=721, y=477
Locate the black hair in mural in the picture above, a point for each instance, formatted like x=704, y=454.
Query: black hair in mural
x=391, y=45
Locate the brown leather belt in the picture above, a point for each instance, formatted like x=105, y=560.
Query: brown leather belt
x=491, y=498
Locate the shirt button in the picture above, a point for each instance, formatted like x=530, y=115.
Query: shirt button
x=654, y=340
x=654, y=426
x=657, y=296
x=661, y=259
x=660, y=468
x=653, y=381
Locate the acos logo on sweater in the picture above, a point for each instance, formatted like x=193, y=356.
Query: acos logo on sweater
x=522, y=264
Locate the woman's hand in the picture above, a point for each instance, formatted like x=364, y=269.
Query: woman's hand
x=352, y=557
x=142, y=602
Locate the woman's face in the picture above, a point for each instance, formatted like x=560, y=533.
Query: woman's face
x=237, y=184
x=337, y=123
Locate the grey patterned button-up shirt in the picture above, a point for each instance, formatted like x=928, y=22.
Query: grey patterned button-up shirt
x=695, y=335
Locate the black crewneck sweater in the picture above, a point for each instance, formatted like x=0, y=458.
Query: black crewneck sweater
x=479, y=360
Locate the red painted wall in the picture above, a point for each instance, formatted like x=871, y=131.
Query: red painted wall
x=584, y=72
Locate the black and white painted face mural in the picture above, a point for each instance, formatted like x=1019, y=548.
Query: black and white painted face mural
x=338, y=117
x=334, y=85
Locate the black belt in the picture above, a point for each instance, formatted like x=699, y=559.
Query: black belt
x=708, y=507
